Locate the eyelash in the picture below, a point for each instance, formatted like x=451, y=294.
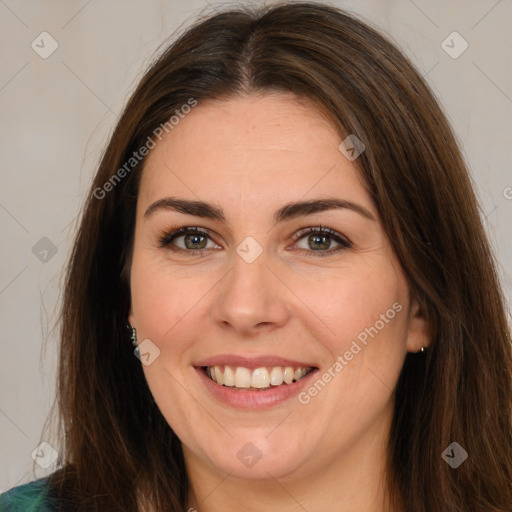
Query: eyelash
x=167, y=237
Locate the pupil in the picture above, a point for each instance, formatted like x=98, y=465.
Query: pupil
x=194, y=239
x=325, y=244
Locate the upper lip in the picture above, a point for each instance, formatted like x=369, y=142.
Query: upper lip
x=251, y=362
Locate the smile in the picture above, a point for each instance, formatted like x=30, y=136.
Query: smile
x=255, y=379
x=255, y=382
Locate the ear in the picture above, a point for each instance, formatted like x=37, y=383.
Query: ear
x=419, y=331
x=131, y=317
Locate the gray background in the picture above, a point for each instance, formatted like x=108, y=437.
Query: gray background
x=57, y=113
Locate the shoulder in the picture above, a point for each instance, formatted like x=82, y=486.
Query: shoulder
x=29, y=497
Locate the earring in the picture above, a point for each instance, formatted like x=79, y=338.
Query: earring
x=422, y=349
x=133, y=334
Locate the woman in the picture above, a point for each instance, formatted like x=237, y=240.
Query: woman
x=284, y=221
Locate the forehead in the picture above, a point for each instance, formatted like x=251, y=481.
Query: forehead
x=272, y=147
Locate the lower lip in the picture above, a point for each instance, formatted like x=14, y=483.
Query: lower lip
x=242, y=399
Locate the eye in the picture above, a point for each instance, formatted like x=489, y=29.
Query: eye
x=319, y=240
x=194, y=238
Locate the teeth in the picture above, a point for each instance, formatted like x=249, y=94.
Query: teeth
x=219, y=377
x=258, y=378
x=242, y=377
x=276, y=377
x=229, y=376
x=288, y=375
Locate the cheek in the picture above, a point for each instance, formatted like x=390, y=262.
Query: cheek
x=351, y=302
x=363, y=317
x=162, y=298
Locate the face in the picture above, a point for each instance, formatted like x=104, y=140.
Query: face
x=267, y=296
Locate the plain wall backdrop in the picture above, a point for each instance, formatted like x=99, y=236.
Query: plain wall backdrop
x=67, y=70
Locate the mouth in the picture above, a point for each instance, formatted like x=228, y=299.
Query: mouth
x=255, y=379
x=253, y=382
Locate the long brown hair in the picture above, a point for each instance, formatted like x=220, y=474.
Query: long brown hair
x=115, y=441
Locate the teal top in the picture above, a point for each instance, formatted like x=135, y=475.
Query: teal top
x=30, y=497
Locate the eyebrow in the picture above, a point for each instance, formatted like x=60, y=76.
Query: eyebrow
x=287, y=212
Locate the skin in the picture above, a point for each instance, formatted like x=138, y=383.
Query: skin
x=251, y=155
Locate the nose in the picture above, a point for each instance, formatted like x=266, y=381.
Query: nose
x=251, y=298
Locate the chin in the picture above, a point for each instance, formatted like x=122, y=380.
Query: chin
x=259, y=459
